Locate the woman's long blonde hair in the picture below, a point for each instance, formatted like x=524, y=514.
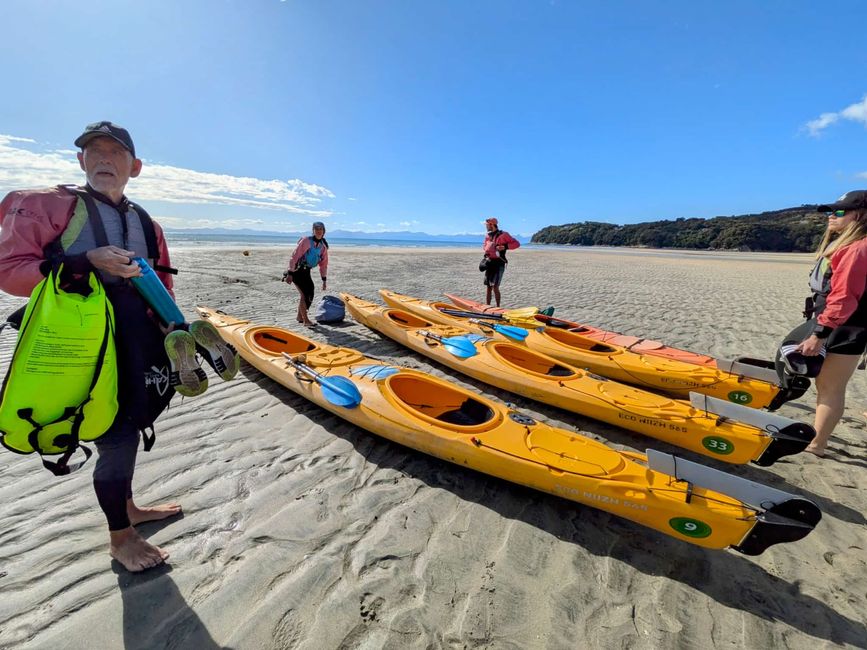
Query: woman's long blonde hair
x=852, y=233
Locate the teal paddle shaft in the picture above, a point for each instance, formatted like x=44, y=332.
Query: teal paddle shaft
x=471, y=314
x=155, y=294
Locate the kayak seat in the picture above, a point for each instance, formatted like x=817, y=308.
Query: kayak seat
x=559, y=371
x=406, y=320
x=276, y=341
x=470, y=413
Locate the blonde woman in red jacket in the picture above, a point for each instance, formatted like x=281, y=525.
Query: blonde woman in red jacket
x=839, y=320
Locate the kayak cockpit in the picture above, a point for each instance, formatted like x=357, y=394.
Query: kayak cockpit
x=275, y=341
x=406, y=320
x=574, y=340
x=441, y=404
x=531, y=362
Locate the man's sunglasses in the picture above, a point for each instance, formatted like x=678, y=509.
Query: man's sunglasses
x=836, y=214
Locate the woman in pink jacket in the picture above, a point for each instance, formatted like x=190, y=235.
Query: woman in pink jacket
x=497, y=242
x=837, y=328
x=309, y=253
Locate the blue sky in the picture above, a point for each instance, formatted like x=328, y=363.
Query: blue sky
x=431, y=116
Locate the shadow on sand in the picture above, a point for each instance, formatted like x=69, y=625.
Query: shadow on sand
x=155, y=614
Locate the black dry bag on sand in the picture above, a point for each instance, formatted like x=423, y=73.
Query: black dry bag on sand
x=330, y=310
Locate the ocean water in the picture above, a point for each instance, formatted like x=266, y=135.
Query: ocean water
x=195, y=240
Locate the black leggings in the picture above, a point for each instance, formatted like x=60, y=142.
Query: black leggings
x=301, y=279
x=115, y=465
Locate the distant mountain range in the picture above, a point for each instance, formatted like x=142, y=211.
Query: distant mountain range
x=400, y=235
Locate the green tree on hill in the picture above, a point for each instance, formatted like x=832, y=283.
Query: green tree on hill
x=793, y=230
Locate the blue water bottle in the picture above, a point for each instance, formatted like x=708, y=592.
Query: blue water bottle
x=155, y=294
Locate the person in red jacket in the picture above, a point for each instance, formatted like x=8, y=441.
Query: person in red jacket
x=838, y=327
x=497, y=242
x=96, y=228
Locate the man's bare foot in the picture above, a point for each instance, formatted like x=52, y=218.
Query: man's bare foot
x=133, y=552
x=152, y=513
x=816, y=451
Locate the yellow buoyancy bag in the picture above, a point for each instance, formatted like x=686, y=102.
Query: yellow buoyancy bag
x=61, y=386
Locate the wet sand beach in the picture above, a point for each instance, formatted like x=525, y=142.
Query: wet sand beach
x=302, y=531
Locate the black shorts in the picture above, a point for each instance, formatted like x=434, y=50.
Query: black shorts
x=301, y=279
x=494, y=273
x=846, y=339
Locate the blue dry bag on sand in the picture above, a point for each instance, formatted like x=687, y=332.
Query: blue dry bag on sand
x=330, y=310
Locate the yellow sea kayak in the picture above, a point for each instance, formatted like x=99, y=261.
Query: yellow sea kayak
x=686, y=500
x=672, y=377
x=741, y=435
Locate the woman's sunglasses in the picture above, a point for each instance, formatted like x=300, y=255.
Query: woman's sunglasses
x=836, y=214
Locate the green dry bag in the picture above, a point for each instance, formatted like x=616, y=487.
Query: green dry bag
x=61, y=386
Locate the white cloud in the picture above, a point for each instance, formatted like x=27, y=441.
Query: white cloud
x=351, y=198
x=22, y=167
x=855, y=112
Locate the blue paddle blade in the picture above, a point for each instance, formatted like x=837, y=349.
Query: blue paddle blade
x=340, y=391
x=460, y=346
x=514, y=333
x=517, y=333
x=156, y=295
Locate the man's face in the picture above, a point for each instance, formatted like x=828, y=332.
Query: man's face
x=490, y=226
x=108, y=166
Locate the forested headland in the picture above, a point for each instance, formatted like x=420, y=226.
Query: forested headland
x=790, y=230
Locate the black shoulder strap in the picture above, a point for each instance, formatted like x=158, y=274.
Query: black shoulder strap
x=150, y=234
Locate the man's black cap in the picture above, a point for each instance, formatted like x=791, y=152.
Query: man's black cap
x=106, y=128
x=854, y=200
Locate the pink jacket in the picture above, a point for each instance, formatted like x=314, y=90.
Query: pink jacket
x=502, y=239
x=32, y=219
x=301, y=250
x=848, y=283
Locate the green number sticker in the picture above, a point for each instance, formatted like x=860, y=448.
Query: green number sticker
x=740, y=397
x=718, y=445
x=690, y=527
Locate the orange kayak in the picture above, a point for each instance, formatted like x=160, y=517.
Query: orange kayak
x=633, y=343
